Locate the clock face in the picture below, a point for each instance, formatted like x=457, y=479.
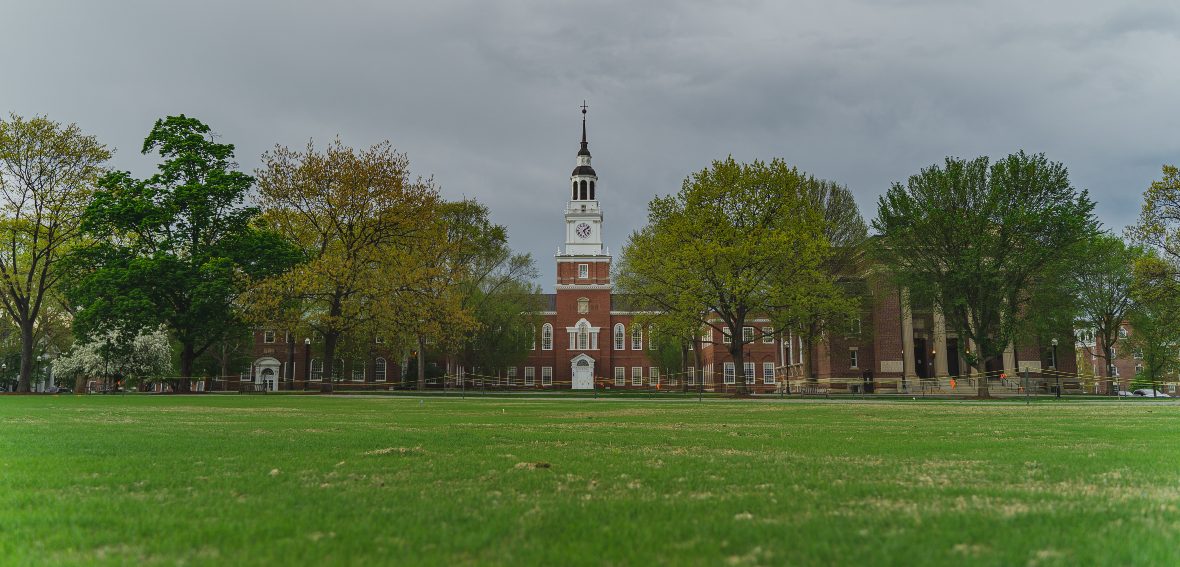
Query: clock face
x=583, y=230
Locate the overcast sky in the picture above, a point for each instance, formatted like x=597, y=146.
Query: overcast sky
x=484, y=95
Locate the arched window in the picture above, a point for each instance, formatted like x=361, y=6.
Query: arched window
x=583, y=192
x=547, y=337
x=620, y=337
x=317, y=369
x=636, y=337
x=591, y=189
x=358, y=370
x=379, y=369
x=583, y=336
x=575, y=196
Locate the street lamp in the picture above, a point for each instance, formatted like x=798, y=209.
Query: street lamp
x=1055, y=371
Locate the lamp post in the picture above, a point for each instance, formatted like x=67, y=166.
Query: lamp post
x=1055, y=371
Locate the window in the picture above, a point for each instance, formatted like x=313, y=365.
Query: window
x=747, y=335
x=1122, y=332
x=591, y=189
x=511, y=375
x=748, y=371
x=729, y=373
x=583, y=333
x=1114, y=353
x=379, y=369
x=530, y=376
x=583, y=271
x=268, y=337
x=653, y=376
x=651, y=338
x=768, y=373
x=636, y=375
x=317, y=369
x=546, y=337
x=378, y=340
x=767, y=335
x=287, y=337
x=620, y=376
x=546, y=375
x=575, y=195
x=691, y=374
x=358, y=371
x=636, y=338
x=582, y=193
x=854, y=326
x=583, y=305
x=1138, y=354
x=1138, y=368
x=707, y=335
x=726, y=336
x=620, y=337
x=853, y=358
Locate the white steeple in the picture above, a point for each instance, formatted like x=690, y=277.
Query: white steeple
x=583, y=218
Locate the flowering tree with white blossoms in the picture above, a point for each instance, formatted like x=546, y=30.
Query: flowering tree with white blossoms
x=144, y=357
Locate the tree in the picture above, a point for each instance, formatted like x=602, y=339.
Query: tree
x=975, y=240
x=1102, y=283
x=1159, y=220
x=134, y=359
x=737, y=241
x=47, y=174
x=1154, y=333
x=846, y=233
x=177, y=249
x=364, y=227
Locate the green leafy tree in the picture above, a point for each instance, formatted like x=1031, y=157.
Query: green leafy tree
x=47, y=174
x=1159, y=220
x=738, y=241
x=1102, y=285
x=976, y=238
x=176, y=249
x=1155, y=334
x=366, y=230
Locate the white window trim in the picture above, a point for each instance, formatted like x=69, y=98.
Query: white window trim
x=546, y=337
x=854, y=358
x=511, y=375
x=691, y=374
x=620, y=337
x=636, y=375
x=748, y=370
x=768, y=377
x=362, y=369
x=653, y=376
x=637, y=338
x=583, y=271
x=546, y=375
x=530, y=376
x=726, y=336
x=380, y=369
x=747, y=335
x=767, y=335
x=730, y=373
x=620, y=375
x=268, y=337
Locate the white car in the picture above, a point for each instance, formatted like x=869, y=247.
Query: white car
x=1149, y=393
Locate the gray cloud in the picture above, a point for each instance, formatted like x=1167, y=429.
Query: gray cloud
x=484, y=95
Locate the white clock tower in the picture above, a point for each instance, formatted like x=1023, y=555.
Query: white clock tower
x=583, y=217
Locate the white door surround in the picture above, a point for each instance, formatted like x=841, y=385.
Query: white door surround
x=582, y=371
x=266, y=373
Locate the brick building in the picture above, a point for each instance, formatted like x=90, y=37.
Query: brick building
x=587, y=338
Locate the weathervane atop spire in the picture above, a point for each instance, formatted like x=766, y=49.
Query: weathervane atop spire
x=585, y=146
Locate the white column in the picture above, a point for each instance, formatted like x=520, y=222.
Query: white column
x=940, y=357
x=907, y=338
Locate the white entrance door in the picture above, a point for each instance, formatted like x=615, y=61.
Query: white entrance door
x=266, y=377
x=583, y=376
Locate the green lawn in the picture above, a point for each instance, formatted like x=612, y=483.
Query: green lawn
x=286, y=480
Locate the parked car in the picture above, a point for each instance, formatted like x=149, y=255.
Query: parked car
x=1149, y=393
x=1125, y=394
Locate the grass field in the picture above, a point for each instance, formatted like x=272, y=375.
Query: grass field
x=238, y=480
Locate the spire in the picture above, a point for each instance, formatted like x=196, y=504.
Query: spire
x=585, y=150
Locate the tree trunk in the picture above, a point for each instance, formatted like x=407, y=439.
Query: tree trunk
x=329, y=377
x=739, y=363
x=187, y=355
x=24, y=383
x=981, y=388
x=696, y=361
x=421, y=362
